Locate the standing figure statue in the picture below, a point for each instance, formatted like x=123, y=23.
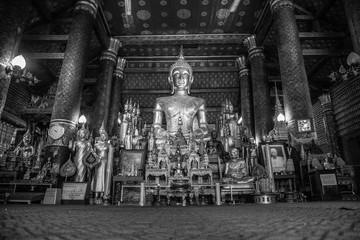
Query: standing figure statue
x=80, y=148
x=180, y=104
x=101, y=181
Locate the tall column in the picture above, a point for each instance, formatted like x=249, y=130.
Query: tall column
x=13, y=18
x=245, y=95
x=297, y=102
x=260, y=89
x=352, y=11
x=328, y=117
x=68, y=95
x=115, y=102
x=103, y=86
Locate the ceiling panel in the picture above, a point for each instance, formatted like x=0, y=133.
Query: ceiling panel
x=182, y=16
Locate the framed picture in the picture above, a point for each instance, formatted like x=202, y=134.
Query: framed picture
x=132, y=162
x=277, y=156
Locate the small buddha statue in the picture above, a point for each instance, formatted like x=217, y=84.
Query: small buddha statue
x=128, y=140
x=236, y=170
x=191, y=109
x=151, y=140
x=142, y=142
x=179, y=138
x=215, y=147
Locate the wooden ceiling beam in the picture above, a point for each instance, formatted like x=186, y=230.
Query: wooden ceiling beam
x=320, y=52
x=183, y=39
x=321, y=35
x=45, y=56
x=304, y=17
x=208, y=109
x=46, y=38
x=8, y=117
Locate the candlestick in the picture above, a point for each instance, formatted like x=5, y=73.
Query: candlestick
x=142, y=194
x=218, y=196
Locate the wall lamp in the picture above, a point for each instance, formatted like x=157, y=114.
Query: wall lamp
x=16, y=69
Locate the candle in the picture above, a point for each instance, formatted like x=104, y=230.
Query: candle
x=218, y=196
x=142, y=194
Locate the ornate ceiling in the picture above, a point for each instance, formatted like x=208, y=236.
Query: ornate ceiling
x=211, y=32
x=158, y=17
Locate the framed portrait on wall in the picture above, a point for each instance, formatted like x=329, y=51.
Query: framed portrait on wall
x=277, y=156
x=132, y=162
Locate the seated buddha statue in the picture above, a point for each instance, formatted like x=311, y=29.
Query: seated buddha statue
x=215, y=147
x=236, y=170
x=180, y=104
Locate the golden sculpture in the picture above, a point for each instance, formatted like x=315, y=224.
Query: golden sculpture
x=80, y=147
x=180, y=104
x=101, y=181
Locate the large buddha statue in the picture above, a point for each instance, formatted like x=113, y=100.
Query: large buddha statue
x=191, y=110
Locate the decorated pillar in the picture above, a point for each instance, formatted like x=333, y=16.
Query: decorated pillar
x=260, y=89
x=297, y=102
x=245, y=96
x=352, y=11
x=328, y=118
x=104, y=85
x=63, y=124
x=13, y=18
x=115, y=102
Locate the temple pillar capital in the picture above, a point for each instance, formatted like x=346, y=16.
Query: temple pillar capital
x=277, y=4
x=253, y=49
x=90, y=6
x=112, y=51
x=242, y=64
x=120, y=66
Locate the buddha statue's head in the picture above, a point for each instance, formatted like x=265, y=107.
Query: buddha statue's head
x=234, y=153
x=83, y=133
x=103, y=133
x=181, y=76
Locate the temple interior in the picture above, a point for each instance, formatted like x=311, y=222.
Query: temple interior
x=179, y=102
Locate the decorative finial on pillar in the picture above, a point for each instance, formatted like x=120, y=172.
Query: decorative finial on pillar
x=276, y=4
x=250, y=42
x=241, y=62
x=120, y=65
